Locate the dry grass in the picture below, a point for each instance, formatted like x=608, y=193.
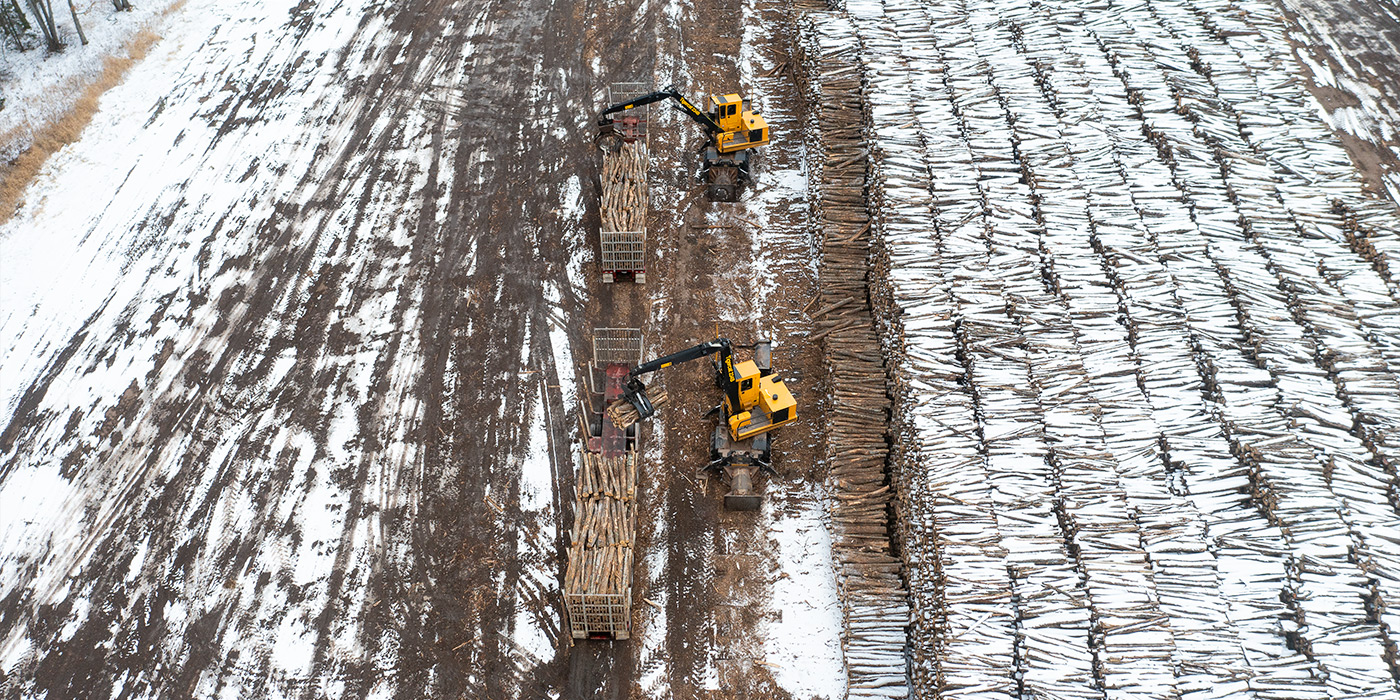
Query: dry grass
x=16, y=176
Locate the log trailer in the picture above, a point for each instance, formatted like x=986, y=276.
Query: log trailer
x=755, y=403
x=622, y=232
x=732, y=133
x=598, y=577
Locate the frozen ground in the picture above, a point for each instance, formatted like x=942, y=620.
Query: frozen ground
x=1348, y=51
x=38, y=86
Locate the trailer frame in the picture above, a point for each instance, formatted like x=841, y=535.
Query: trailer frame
x=607, y=616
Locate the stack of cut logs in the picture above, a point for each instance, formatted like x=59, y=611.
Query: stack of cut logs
x=623, y=414
x=875, y=606
x=605, y=522
x=624, y=179
x=1073, y=517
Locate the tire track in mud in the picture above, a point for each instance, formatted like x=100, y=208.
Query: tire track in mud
x=232, y=379
x=702, y=61
x=168, y=415
x=468, y=375
x=295, y=281
x=485, y=366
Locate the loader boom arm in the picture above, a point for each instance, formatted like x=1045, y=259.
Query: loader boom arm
x=671, y=93
x=686, y=355
x=635, y=391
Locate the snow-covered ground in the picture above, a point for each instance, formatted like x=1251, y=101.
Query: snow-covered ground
x=124, y=237
x=212, y=363
x=802, y=643
x=39, y=87
x=1349, y=50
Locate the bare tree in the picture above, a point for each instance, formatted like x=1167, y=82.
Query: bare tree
x=74, y=11
x=43, y=12
x=14, y=24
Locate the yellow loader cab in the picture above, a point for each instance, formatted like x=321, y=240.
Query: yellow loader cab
x=755, y=400
x=740, y=128
x=764, y=402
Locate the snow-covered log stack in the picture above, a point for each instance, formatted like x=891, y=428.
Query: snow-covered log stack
x=875, y=608
x=1140, y=325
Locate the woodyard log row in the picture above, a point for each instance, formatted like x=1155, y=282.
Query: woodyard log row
x=875, y=608
x=923, y=184
x=1193, y=586
x=1184, y=580
x=955, y=560
x=1276, y=253
x=1149, y=243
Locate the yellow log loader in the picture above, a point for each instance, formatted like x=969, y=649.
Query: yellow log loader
x=732, y=133
x=755, y=403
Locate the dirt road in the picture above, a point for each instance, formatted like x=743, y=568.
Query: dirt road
x=1348, y=54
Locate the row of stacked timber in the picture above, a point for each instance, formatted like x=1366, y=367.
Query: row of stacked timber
x=1140, y=326
x=873, y=595
x=598, y=577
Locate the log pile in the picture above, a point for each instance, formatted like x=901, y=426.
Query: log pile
x=963, y=637
x=598, y=578
x=624, y=180
x=1319, y=395
x=1085, y=218
x=623, y=414
x=875, y=607
x=600, y=553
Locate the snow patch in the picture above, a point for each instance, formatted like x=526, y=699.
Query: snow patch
x=802, y=637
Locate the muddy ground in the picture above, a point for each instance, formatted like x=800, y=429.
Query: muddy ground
x=1348, y=55
x=291, y=458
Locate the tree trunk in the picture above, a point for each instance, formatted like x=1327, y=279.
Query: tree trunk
x=13, y=22
x=43, y=12
x=14, y=4
x=74, y=11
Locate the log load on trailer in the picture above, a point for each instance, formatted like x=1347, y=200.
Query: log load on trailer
x=598, y=578
x=622, y=232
